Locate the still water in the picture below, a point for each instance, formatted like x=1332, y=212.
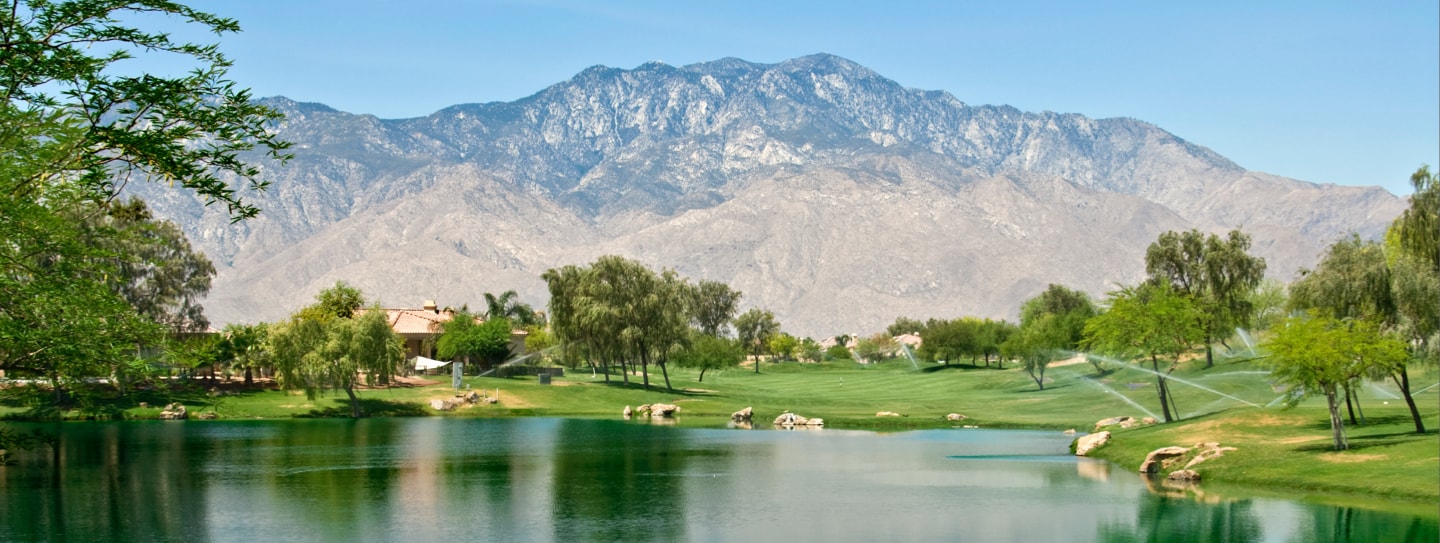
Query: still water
x=530, y=479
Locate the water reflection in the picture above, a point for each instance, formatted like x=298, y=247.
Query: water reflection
x=575, y=480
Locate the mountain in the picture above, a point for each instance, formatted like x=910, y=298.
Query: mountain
x=822, y=190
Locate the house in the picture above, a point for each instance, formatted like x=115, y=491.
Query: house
x=420, y=327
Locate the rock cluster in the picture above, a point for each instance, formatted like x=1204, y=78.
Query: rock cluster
x=1124, y=422
x=174, y=411
x=887, y=414
x=468, y=397
x=654, y=410
x=1161, y=458
x=791, y=420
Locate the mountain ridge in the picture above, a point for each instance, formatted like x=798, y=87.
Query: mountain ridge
x=666, y=164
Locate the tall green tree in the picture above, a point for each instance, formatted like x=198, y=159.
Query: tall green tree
x=619, y=311
x=318, y=351
x=158, y=273
x=1418, y=228
x=1355, y=281
x=1318, y=355
x=755, y=327
x=1217, y=275
x=1149, y=321
x=714, y=304
x=77, y=123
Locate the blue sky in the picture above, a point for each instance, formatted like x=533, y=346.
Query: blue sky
x=1338, y=92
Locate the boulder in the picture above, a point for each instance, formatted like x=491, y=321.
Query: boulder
x=208, y=415
x=815, y=423
x=1090, y=442
x=1148, y=421
x=174, y=411
x=1112, y=421
x=472, y=397
x=1069, y=432
x=144, y=405
x=742, y=415
x=887, y=414
x=443, y=405
x=955, y=417
x=627, y=412
x=663, y=410
x=643, y=410
x=490, y=400
x=1184, y=476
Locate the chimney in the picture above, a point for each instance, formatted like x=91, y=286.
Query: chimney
x=430, y=306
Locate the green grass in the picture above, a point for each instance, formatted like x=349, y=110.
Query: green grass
x=1281, y=448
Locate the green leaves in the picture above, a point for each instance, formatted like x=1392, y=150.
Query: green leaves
x=64, y=59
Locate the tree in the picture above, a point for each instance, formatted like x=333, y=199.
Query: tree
x=508, y=306
x=158, y=273
x=875, y=348
x=243, y=346
x=944, y=340
x=339, y=301
x=1148, y=321
x=904, y=325
x=810, y=350
x=1355, y=280
x=1318, y=354
x=1418, y=228
x=706, y=352
x=783, y=345
x=317, y=351
x=754, y=328
x=618, y=310
x=1036, y=344
x=464, y=340
x=713, y=305
x=62, y=67
x=1058, y=315
x=1216, y=275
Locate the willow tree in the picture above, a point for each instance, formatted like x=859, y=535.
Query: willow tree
x=1217, y=275
x=619, y=311
x=317, y=351
x=1355, y=281
x=1150, y=321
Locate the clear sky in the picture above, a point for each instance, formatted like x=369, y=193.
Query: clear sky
x=1332, y=92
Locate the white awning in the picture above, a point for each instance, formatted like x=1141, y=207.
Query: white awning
x=422, y=363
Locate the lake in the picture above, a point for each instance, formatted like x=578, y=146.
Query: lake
x=539, y=479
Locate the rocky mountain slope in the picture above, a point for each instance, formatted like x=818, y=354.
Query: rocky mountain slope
x=827, y=193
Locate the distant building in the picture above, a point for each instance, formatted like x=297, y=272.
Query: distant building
x=420, y=327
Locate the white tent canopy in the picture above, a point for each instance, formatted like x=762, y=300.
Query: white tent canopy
x=422, y=363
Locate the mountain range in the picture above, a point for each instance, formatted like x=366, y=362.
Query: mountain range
x=822, y=190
